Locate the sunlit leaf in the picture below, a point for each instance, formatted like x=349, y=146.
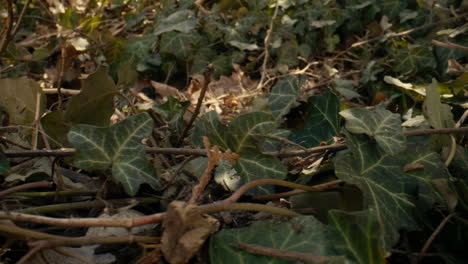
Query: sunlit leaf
x=437, y=114
x=117, y=148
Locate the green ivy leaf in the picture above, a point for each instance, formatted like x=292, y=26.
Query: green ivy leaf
x=253, y=166
x=283, y=96
x=379, y=123
x=94, y=105
x=242, y=137
x=173, y=112
x=356, y=234
x=322, y=123
x=117, y=148
x=301, y=234
x=181, y=45
x=183, y=21
x=413, y=59
x=387, y=188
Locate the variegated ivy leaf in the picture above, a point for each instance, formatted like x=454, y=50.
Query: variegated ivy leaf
x=283, y=96
x=387, y=188
x=242, y=137
x=378, y=123
x=118, y=148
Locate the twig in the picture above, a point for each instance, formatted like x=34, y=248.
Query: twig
x=213, y=157
x=277, y=195
x=9, y=27
x=65, y=152
x=80, y=205
x=20, y=18
x=267, y=44
x=422, y=132
x=449, y=45
x=462, y=119
x=433, y=236
x=225, y=205
x=407, y=32
x=284, y=254
x=284, y=141
x=56, y=240
x=27, y=186
x=252, y=184
x=207, y=75
x=62, y=90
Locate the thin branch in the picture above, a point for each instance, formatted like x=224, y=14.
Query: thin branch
x=267, y=44
x=86, y=204
x=252, y=184
x=277, y=195
x=407, y=32
x=433, y=236
x=195, y=114
x=20, y=18
x=9, y=27
x=449, y=45
x=284, y=254
x=65, y=152
x=27, y=186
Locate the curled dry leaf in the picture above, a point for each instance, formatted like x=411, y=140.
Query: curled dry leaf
x=185, y=231
x=413, y=166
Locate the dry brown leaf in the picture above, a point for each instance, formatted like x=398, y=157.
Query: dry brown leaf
x=185, y=231
x=413, y=166
x=167, y=90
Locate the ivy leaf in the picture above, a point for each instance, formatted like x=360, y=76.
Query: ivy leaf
x=412, y=59
x=356, y=235
x=181, y=45
x=117, y=148
x=322, y=123
x=283, y=96
x=253, y=166
x=182, y=21
x=94, y=105
x=387, y=189
x=379, y=123
x=301, y=234
x=173, y=112
x=242, y=136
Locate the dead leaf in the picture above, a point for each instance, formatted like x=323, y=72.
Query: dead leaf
x=185, y=231
x=413, y=166
x=167, y=90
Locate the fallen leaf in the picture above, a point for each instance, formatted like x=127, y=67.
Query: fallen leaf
x=185, y=231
